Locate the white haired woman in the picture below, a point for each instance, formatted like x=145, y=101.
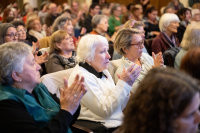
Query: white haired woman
x=129, y=44
x=108, y=100
x=26, y=105
x=62, y=54
x=168, y=25
x=190, y=40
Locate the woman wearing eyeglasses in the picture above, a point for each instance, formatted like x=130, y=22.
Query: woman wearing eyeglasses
x=129, y=43
x=8, y=33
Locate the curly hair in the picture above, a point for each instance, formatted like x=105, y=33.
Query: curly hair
x=160, y=98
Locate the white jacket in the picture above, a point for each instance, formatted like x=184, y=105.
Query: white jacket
x=103, y=102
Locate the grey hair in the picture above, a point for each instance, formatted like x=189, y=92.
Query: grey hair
x=87, y=46
x=123, y=39
x=97, y=19
x=194, y=11
x=166, y=19
x=191, y=36
x=115, y=6
x=59, y=23
x=12, y=58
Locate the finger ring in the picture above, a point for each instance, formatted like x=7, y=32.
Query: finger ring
x=75, y=96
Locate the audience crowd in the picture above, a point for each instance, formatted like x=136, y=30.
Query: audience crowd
x=130, y=68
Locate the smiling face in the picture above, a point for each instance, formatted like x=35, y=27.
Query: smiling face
x=68, y=27
x=188, y=121
x=188, y=15
x=101, y=58
x=66, y=44
x=173, y=26
x=37, y=25
x=30, y=76
x=22, y=33
x=103, y=25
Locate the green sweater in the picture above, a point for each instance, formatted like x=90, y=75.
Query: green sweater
x=113, y=23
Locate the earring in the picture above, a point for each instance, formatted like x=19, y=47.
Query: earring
x=20, y=80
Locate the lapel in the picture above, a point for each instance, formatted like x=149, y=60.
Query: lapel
x=162, y=36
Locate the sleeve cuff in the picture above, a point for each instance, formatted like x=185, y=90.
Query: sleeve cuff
x=126, y=86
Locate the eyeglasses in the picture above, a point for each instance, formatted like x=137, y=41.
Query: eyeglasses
x=139, y=44
x=24, y=30
x=12, y=35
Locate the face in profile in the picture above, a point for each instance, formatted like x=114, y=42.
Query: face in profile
x=30, y=75
x=188, y=121
x=101, y=58
x=37, y=25
x=173, y=26
x=68, y=27
x=103, y=25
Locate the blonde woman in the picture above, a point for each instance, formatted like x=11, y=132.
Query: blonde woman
x=62, y=54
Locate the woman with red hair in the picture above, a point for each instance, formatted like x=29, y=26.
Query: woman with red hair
x=7, y=13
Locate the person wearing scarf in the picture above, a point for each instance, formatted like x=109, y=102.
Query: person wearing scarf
x=62, y=54
x=168, y=25
x=26, y=104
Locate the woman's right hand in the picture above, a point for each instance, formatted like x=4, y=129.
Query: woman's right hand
x=70, y=97
x=130, y=75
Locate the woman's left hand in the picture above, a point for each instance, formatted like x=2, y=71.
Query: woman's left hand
x=158, y=59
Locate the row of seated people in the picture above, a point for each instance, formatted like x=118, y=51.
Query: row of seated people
x=109, y=91
x=167, y=97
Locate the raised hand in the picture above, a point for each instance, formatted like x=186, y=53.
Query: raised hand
x=42, y=58
x=158, y=59
x=131, y=74
x=70, y=97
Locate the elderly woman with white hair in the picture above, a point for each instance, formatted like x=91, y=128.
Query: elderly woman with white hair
x=168, y=25
x=129, y=44
x=190, y=40
x=26, y=105
x=104, y=101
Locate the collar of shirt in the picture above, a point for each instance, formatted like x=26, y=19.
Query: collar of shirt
x=92, y=70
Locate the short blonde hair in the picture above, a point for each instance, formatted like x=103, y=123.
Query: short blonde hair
x=123, y=39
x=191, y=36
x=29, y=22
x=87, y=46
x=57, y=37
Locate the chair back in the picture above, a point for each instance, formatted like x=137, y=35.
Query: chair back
x=169, y=56
x=147, y=44
x=54, y=81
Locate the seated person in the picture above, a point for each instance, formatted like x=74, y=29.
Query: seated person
x=100, y=27
x=151, y=24
x=108, y=100
x=166, y=101
x=175, y=5
x=26, y=105
x=190, y=62
x=62, y=55
x=168, y=25
x=64, y=23
x=20, y=27
x=34, y=27
x=184, y=15
x=129, y=43
x=135, y=25
x=8, y=33
x=190, y=39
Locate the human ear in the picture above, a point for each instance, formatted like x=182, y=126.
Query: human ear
x=125, y=50
x=16, y=76
x=58, y=45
